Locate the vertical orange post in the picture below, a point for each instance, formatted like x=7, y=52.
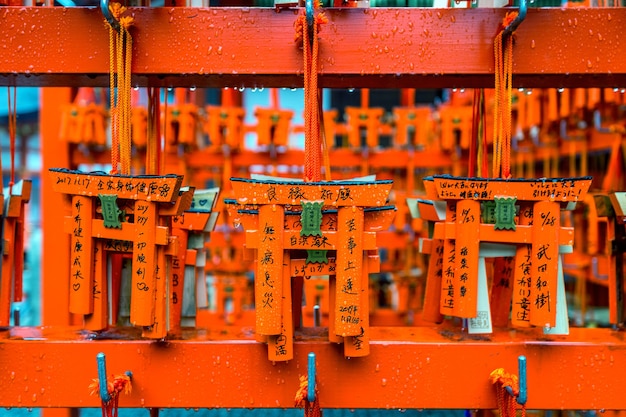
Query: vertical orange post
x=268, y=285
x=158, y=330
x=359, y=345
x=545, y=257
x=333, y=337
x=99, y=319
x=81, y=296
x=501, y=290
x=7, y=272
x=450, y=277
x=522, y=276
x=280, y=347
x=144, y=265
x=349, y=272
x=177, y=281
x=466, y=257
x=431, y=310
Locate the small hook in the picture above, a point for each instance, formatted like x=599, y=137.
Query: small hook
x=102, y=378
x=310, y=18
x=311, y=376
x=104, y=6
x=523, y=7
x=523, y=387
x=522, y=395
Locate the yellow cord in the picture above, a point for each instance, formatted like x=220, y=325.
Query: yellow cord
x=120, y=59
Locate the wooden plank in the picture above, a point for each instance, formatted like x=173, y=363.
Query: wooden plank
x=466, y=259
x=268, y=281
x=292, y=239
x=384, y=49
x=553, y=189
x=349, y=290
x=144, y=265
x=545, y=256
x=81, y=256
x=336, y=194
x=99, y=319
x=140, y=187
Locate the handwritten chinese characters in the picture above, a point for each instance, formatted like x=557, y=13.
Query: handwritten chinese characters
x=337, y=194
x=268, y=284
x=303, y=229
x=153, y=188
x=553, y=189
x=81, y=256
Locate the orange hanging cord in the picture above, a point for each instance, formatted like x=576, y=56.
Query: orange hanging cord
x=507, y=403
x=311, y=408
x=120, y=59
x=503, y=54
x=312, y=135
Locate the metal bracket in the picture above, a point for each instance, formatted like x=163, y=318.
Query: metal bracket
x=104, y=6
x=523, y=7
x=310, y=18
x=102, y=377
x=522, y=396
x=311, y=376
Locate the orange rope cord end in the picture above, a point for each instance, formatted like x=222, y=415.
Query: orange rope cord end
x=311, y=409
x=507, y=403
x=119, y=384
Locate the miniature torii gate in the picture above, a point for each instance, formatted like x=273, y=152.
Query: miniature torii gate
x=480, y=211
x=13, y=247
x=121, y=213
x=285, y=218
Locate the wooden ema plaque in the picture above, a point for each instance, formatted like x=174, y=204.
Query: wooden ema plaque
x=517, y=220
x=127, y=214
x=300, y=230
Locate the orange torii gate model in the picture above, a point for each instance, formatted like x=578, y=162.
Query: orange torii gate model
x=187, y=286
x=302, y=229
x=515, y=220
x=15, y=200
x=128, y=214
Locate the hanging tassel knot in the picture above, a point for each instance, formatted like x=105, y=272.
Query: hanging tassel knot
x=507, y=393
x=311, y=409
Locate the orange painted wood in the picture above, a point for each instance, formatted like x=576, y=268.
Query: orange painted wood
x=81, y=256
x=466, y=258
x=357, y=346
x=55, y=262
x=268, y=282
x=337, y=194
x=522, y=276
x=99, y=319
x=553, y=189
x=247, y=379
x=6, y=282
x=280, y=347
x=144, y=264
x=349, y=261
x=449, y=279
x=487, y=233
x=501, y=290
x=328, y=240
x=158, y=329
x=153, y=188
x=177, y=280
x=432, y=293
x=545, y=258
x=358, y=47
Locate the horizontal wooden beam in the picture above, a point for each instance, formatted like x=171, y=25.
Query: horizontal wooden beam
x=408, y=368
x=254, y=47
